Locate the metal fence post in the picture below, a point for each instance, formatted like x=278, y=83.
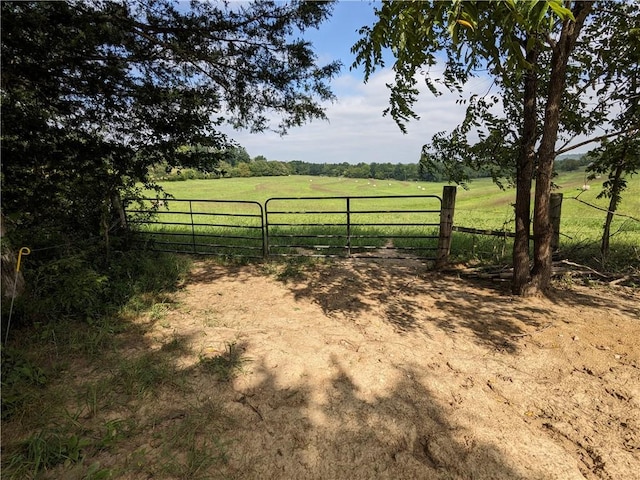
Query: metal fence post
x=265, y=229
x=348, y=227
x=193, y=229
x=446, y=225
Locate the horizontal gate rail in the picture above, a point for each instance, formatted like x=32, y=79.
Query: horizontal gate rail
x=364, y=231
x=226, y=225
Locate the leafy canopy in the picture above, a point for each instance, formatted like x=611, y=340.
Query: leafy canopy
x=94, y=93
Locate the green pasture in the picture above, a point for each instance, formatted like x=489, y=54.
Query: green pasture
x=482, y=206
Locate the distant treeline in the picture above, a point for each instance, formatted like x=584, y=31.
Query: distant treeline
x=570, y=163
x=238, y=163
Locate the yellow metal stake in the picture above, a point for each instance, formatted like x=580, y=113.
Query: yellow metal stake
x=23, y=251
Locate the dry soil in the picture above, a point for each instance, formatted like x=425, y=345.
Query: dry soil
x=373, y=370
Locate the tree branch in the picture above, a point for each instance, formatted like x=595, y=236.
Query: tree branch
x=595, y=139
x=605, y=209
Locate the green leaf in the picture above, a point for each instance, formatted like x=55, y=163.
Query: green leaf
x=560, y=10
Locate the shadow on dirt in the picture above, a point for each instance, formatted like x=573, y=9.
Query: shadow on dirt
x=212, y=271
x=171, y=411
x=198, y=422
x=590, y=298
x=287, y=432
x=276, y=429
x=412, y=299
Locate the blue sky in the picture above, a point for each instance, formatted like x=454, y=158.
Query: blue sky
x=356, y=130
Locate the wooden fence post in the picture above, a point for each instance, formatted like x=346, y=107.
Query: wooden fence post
x=446, y=225
x=555, y=208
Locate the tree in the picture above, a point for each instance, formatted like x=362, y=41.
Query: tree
x=94, y=93
x=238, y=155
x=620, y=158
x=533, y=54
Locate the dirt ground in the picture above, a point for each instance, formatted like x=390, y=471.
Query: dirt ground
x=363, y=370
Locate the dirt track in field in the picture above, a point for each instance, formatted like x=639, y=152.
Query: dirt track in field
x=361, y=370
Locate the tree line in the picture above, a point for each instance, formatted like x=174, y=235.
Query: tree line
x=237, y=163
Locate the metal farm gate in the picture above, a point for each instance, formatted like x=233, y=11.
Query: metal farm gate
x=397, y=226
x=207, y=227
x=360, y=226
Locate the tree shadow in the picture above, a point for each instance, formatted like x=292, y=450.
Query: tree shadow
x=629, y=303
x=274, y=426
x=331, y=421
x=271, y=427
x=412, y=299
x=336, y=431
x=212, y=270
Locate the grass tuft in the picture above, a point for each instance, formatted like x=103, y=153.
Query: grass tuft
x=227, y=365
x=46, y=449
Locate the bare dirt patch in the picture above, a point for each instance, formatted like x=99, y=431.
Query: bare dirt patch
x=360, y=370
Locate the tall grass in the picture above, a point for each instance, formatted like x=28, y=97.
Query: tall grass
x=65, y=377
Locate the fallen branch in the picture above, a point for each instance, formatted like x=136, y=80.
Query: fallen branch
x=563, y=267
x=601, y=275
x=620, y=280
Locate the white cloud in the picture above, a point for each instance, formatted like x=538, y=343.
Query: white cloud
x=356, y=130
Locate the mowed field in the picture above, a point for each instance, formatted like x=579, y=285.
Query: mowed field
x=483, y=205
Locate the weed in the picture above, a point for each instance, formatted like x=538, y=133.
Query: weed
x=177, y=344
x=144, y=374
x=21, y=379
x=289, y=269
x=68, y=287
x=210, y=318
x=159, y=311
x=200, y=455
x=138, y=460
x=226, y=365
x=293, y=270
x=94, y=472
x=113, y=431
x=92, y=338
x=197, y=446
x=44, y=450
x=96, y=396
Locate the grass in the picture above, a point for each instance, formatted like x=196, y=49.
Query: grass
x=226, y=365
x=84, y=398
x=101, y=399
x=483, y=206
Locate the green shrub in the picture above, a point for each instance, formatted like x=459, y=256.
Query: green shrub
x=85, y=287
x=68, y=287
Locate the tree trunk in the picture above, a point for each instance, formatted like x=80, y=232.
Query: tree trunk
x=524, y=176
x=542, y=231
x=613, y=205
